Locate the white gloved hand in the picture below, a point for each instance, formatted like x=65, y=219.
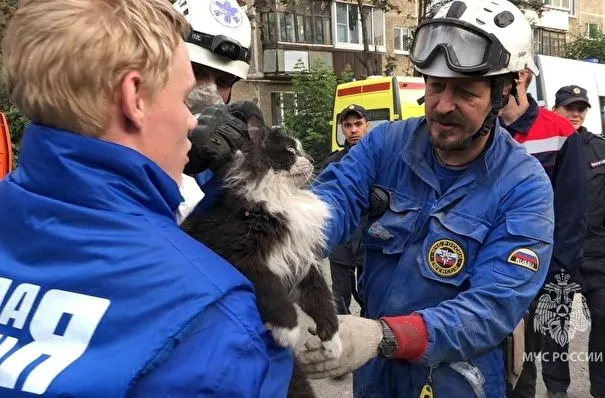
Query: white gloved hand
x=360, y=339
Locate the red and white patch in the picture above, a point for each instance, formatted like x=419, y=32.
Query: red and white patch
x=526, y=258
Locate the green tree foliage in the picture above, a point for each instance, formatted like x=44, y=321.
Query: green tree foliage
x=582, y=47
x=314, y=95
x=16, y=120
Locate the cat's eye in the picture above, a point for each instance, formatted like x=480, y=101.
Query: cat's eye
x=291, y=149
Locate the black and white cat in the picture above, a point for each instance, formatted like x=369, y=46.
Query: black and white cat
x=270, y=228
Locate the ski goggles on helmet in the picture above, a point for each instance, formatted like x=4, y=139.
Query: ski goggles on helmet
x=466, y=48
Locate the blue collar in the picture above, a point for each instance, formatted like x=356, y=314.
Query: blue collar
x=89, y=172
x=417, y=152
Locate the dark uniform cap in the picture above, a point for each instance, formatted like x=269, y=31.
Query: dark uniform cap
x=570, y=94
x=359, y=110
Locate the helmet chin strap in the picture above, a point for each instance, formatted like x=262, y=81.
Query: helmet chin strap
x=499, y=101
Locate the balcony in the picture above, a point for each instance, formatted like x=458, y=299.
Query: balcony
x=552, y=18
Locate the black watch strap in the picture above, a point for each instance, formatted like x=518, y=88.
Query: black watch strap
x=388, y=346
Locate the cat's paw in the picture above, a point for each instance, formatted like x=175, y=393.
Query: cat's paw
x=285, y=337
x=333, y=347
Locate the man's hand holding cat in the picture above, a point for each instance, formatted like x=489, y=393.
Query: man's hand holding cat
x=213, y=142
x=363, y=339
x=360, y=338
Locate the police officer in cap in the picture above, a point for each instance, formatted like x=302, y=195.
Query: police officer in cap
x=572, y=103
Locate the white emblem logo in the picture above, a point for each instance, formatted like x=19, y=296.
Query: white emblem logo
x=226, y=14
x=555, y=315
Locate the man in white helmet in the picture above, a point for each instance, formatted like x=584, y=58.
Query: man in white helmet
x=219, y=51
x=462, y=243
x=219, y=43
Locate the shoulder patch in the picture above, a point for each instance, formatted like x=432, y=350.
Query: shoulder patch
x=526, y=258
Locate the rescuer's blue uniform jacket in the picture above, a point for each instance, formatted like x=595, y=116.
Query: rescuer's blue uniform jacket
x=469, y=260
x=102, y=295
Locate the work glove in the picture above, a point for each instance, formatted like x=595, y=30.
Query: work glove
x=249, y=113
x=217, y=136
x=245, y=110
x=360, y=338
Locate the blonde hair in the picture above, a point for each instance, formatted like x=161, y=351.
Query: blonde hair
x=64, y=60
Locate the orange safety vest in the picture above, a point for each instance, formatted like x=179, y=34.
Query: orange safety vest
x=5, y=147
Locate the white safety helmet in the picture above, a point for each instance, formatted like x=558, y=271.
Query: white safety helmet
x=221, y=34
x=473, y=38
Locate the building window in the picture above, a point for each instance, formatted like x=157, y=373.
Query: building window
x=282, y=103
x=569, y=5
x=592, y=30
x=402, y=40
x=558, y=3
x=348, y=25
x=311, y=26
x=548, y=42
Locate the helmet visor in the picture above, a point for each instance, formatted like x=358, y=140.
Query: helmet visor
x=465, y=48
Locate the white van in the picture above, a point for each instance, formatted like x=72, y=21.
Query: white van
x=558, y=72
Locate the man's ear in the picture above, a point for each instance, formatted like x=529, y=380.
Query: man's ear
x=131, y=99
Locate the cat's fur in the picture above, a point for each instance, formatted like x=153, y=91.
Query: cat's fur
x=270, y=228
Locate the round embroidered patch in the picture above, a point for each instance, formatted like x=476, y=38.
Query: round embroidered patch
x=576, y=91
x=226, y=13
x=446, y=258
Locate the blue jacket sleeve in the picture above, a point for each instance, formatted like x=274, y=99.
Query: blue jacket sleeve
x=345, y=186
x=465, y=326
x=211, y=186
x=570, y=188
x=223, y=353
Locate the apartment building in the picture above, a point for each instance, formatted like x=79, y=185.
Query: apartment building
x=330, y=32
x=562, y=20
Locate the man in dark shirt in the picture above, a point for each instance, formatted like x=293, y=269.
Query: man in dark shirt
x=347, y=259
x=555, y=143
x=572, y=103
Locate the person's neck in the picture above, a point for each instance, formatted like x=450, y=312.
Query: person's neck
x=460, y=159
x=514, y=110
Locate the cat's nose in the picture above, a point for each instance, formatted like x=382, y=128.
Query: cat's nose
x=309, y=158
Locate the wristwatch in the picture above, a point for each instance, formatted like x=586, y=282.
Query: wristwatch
x=388, y=346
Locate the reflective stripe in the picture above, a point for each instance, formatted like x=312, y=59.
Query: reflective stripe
x=545, y=145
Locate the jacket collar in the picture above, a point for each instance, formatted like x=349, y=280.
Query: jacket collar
x=89, y=172
x=416, y=152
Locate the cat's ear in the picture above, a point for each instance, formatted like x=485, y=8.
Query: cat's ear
x=256, y=130
x=249, y=113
